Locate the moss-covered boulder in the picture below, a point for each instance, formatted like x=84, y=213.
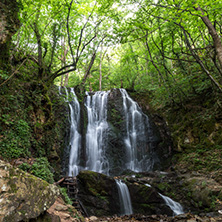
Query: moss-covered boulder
x=22, y=195
x=98, y=193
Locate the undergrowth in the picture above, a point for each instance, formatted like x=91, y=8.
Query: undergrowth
x=40, y=168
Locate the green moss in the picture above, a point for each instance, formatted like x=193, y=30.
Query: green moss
x=13, y=187
x=163, y=186
x=65, y=195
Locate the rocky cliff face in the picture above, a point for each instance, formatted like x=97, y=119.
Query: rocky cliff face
x=157, y=137
x=23, y=196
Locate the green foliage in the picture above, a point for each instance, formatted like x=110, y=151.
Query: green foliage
x=65, y=195
x=40, y=168
x=3, y=74
x=25, y=166
x=15, y=141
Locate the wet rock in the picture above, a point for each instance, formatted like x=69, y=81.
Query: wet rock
x=98, y=193
x=147, y=139
x=22, y=195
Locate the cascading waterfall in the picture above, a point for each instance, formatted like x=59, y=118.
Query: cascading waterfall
x=124, y=196
x=96, y=132
x=139, y=156
x=136, y=136
x=174, y=206
x=75, y=137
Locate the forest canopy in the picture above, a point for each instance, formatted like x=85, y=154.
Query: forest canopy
x=171, y=48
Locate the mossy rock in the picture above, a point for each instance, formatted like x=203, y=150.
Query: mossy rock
x=98, y=193
x=23, y=196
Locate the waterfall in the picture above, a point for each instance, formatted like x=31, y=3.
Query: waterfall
x=75, y=137
x=138, y=135
x=174, y=206
x=124, y=196
x=96, y=135
x=137, y=138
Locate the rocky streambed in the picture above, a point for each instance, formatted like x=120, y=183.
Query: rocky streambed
x=24, y=197
x=197, y=193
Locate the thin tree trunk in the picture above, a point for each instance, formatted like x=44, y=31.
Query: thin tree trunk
x=39, y=43
x=89, y=67
x=61, y=83
x=63, y=61
x=100, y=70
x=66, y=79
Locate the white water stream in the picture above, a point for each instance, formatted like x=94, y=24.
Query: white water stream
x=75, y=137
x=124, y=196
x=174, y=206
x=96, y=138
x=139, y=155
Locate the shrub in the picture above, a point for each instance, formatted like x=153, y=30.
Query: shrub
x=42, y=169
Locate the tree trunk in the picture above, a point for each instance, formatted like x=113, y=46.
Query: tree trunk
x=214, y=35
x=9, y=24
x=66, y=79
x=89, y=67
x=63, y=61
x=100, y=70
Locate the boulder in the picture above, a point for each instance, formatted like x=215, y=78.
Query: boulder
x=22, y=195
x=98, y=193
